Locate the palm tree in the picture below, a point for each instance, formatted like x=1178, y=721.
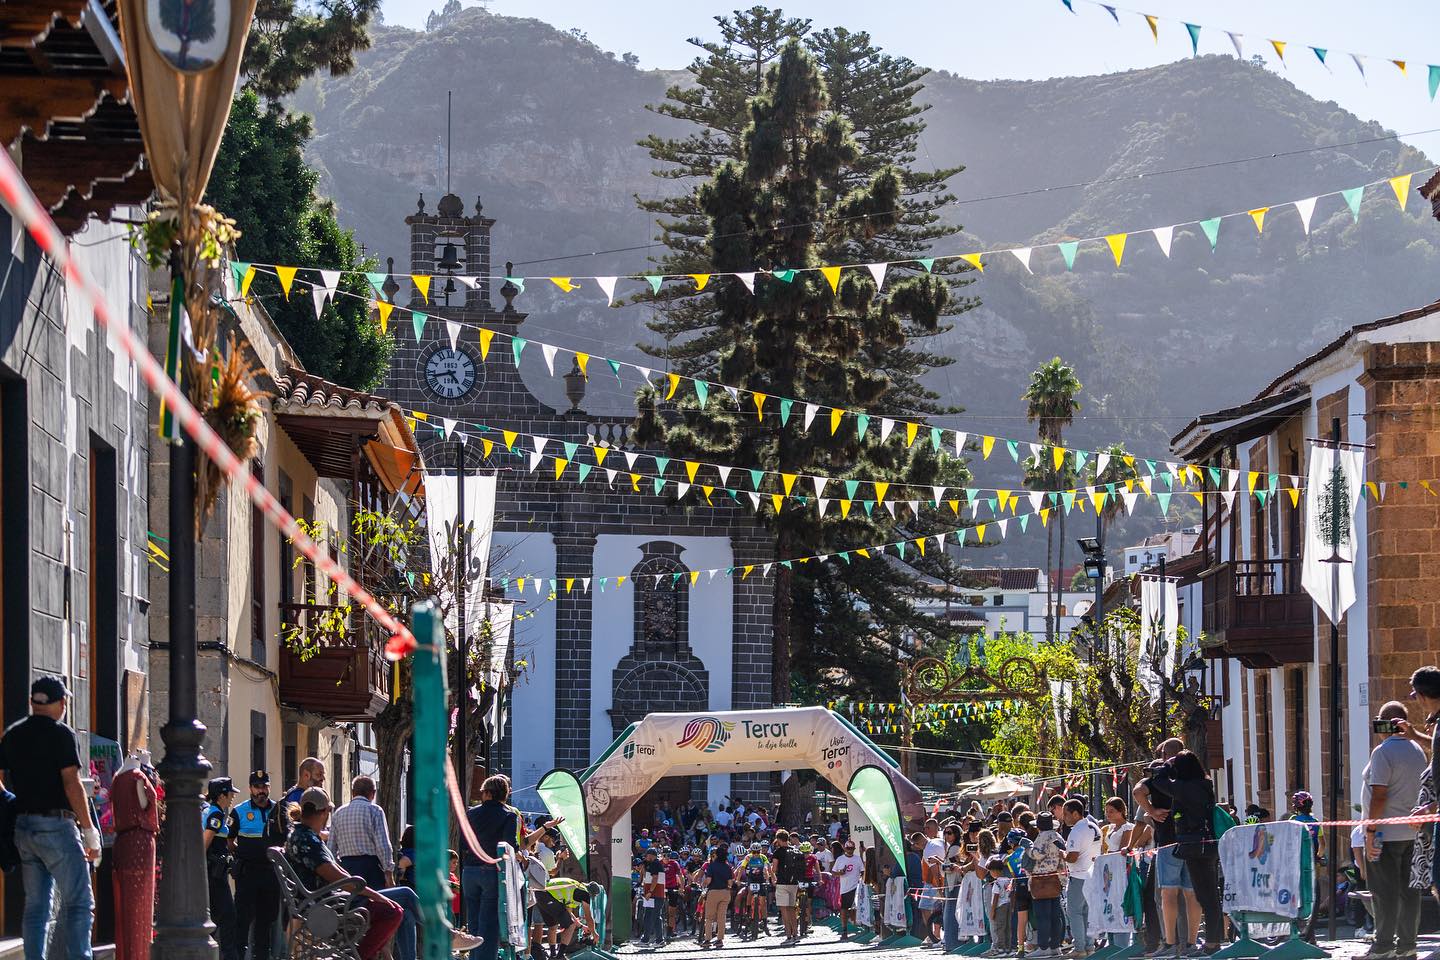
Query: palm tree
x=1119, y=470
x=1050, y=403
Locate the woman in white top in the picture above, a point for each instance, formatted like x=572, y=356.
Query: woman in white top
x=1115, y=835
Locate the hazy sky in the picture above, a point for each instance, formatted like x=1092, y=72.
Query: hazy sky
x=1038, y=39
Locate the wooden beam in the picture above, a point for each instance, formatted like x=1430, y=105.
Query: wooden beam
x=33, y=103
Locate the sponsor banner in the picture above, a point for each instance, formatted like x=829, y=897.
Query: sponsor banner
x=1262, y=867
x=561, y=793
x=1105, y=895
x=970, y=906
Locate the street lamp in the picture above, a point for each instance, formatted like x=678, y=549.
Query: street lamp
x=1093, y=549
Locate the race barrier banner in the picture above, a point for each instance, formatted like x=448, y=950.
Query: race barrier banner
x=1105, y=894
x=970, y=906
x=1263, y=864
x=514, y=900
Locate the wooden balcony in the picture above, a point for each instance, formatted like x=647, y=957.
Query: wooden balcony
x=341, y=676
x=1257, y=612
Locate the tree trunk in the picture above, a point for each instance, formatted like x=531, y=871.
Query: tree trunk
x=1050, y=584
x=393, y=728
x=1060, y=568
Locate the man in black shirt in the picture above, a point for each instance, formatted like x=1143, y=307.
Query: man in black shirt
x=493, y=821
x=789, y=866
x=40, y=763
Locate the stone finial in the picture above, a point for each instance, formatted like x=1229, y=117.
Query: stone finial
x=509, y=291
x=420, y=206
x=479, y=207
x=575, y=385
x=450, y=206
x=390, y=287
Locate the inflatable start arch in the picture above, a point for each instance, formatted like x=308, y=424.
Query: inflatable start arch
x=740, y=741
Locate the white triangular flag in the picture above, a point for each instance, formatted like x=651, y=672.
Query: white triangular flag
x=1129, y=498
x=453, y=329
x=877, y=270
x=535, y=459
x=1359, y=65
x=890, y=505
x=960, y=442
x=1036, y=500
x=681, y=488
x=1102, y=460
x=630, y=459
x=319, y=294
x=765, y=570
x=734, y=394
x=540, y=443
x=1232, y=477
x=585, y=584
x=608, y=285
x=754, y=499
x=1035, y=451
x=610, y=475
x=549, y=349
x=1003, y=524
x=748, y=279
x=645, y=372
x=975, y=507
x=468, y=281
x=460, y=435
x=820, y=485
x=724, y=475
x=1306, y=209
x=1235, y=39
x=940, y=540
x=824, y=505
x=536, y=581
x=914, y=507
x=449, y=426
x=810, y=411
x=1229, y=496
x=1163, y=236
x=1023, y=255
x=939, y=494
x=886, y=425
x=331, y=280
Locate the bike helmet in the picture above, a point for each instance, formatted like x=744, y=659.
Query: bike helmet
x=1302, y=801
x=755, y=847
x=805, y=847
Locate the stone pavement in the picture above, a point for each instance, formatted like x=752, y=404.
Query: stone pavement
x=827, y=943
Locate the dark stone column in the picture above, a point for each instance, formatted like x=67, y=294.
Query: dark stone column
x=574, y=557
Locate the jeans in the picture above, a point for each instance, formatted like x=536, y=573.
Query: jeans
x=366, y=867
x=1001, y=933
x=52, y=859
x=480, y=887
x=1049, y=925
x=949, y=922
x=1078, y=914
x=409, y=904
x=1397, y=907
x=654, y=922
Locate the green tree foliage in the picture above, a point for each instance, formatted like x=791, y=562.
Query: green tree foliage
x=292, y=40
x=795, y=337
x=261, y=180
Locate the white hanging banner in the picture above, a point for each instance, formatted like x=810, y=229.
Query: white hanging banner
x=970, y=906
x=1332, y=494
x=1105, y=895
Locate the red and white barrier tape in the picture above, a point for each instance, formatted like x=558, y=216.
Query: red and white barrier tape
x=17, y=195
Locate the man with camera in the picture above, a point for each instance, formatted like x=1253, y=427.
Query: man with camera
x=1391, y=787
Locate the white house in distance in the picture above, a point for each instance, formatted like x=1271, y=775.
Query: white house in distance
x=1168, y=545
x=993, y=600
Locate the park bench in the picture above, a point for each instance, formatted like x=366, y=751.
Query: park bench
x=324, y=924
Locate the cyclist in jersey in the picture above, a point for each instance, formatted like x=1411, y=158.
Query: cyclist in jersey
x=809, y=886
x=755, y=873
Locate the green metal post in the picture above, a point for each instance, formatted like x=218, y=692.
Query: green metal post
x=432, y=809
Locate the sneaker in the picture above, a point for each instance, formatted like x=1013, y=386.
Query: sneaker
x=462, y=942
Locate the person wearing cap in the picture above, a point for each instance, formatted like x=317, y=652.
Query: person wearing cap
x=255, y=826
x=221, y=794
x=40, y=764
x=394, y=911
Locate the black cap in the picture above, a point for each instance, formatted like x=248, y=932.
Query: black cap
x=259, y=778
x=47, y=690
x=219, y=787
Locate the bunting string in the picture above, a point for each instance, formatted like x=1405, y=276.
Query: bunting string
x=1271, y=48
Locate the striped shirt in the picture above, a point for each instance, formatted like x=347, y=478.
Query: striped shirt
x=358, y=828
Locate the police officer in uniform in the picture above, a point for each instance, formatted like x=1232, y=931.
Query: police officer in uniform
x=256, y=825
x=217, y=864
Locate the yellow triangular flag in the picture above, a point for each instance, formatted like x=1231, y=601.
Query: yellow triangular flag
x=832, y=274
x=1294, y=497
x=835, y=416
x=635, y=482
x=485, y=337
x=1129, y=460
x=707, y=491
x=1097, y=497
x=1424, y=483
x=1279, y=46
x=1057, y=456
x=700, y=280
x=1154, y=25
x=788, y=481
x=1400, y=64
x=674, y=384
x=582, y=360
x=600, y=454
x=1252, y=477
x=1258, y=215
x=384, y=308
x=418, y=415
x=1117, y=246
x=510, y=436
x=910, y=429
x=759, y=399
x=1004, y=497
x=881, y=486
x=844, y=508
x=954, y=506
x=745, y=571
x=560, y=463
x=620, y=581
x=690, y=467
x=1401, y=186
x=486, y=446
x=422, y=283
x=564, y=283
x=246, y=280
x=569, y=582
x=864, y=553
x=980, y=532
x=974, y=260
x=287, y=277
x=521, y=582
x=1045, y=516
x=694, y=575
x=1199, y=497
x=777, y=500
x=920, y=543
x=986, y=445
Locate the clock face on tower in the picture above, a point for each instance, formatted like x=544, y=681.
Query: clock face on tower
x=450, y=373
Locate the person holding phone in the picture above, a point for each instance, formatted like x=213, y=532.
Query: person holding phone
x=1391, y=788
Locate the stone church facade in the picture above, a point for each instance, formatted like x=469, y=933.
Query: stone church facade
x=597, y=661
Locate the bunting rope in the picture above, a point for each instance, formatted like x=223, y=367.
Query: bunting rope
x=1277, y=46
x=17, y=196
x=326, y=288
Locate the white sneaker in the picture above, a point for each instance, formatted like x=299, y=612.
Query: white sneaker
x=462, y=942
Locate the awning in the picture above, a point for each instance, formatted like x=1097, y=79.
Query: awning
x=997, y=786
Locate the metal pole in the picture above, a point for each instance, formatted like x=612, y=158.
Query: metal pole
x=182, y=919
x=462, y=633
x=1334, y=798
x=432, y=818
x=1099, y=583
x=1164, y=680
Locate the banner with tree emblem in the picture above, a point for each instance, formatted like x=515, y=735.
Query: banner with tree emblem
x=1331, y=496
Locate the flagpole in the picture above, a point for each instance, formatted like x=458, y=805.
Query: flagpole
x=1334, y=799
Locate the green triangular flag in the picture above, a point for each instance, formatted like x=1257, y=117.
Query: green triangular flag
x=1261, y=495
x=755, y=477
x=1067, y=250
x=1164, y=500
x=1352, y=197
x=1080, y=457
x=850, y=487
x=1014, y=449
x=869, y=506
x=862, y=423
x=659, y=484
x=845, y=555
x=518, y=281
x=585, y=469
x=570, y=449
x=417, y=320
x=900, y=548
x=784, y=276
x=1150, y=465
x=1069, y=499
x=786, y=564
x=926, y=262
x=604, y=582
x=1169, y=480
x=377, y=280
x=660, y=464
x=1320, y=53
x=1054, y=498
x=238, y=268
x=935, y=437
x=615, y=368
x=785, y=406
x=1110, y=489
x=1214, y=476
x=655, y=282
x=517, y=345
x=702, y=392
x=1194, y=30
x=1434, y=80
x=1024, y=521
x=1212, y=230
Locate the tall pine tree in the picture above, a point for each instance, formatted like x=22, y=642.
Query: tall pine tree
x=791, y=194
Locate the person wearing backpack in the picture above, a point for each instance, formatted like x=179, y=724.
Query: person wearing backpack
x=1193, y=814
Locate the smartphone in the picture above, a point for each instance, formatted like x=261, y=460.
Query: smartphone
x=1385, y=726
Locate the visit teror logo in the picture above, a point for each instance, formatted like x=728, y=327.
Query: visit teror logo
x=706, y=734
